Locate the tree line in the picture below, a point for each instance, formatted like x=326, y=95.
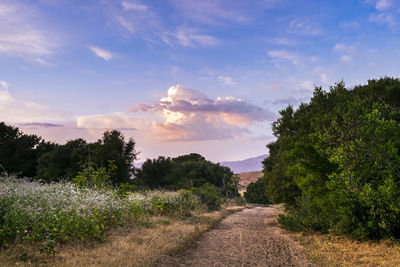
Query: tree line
x=336, y=161
x=31, y=156
x=109, y=161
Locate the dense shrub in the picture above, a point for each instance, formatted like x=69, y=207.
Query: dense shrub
x=209, y=195
x=255, y=192
x=336, y=161
x=185, y=172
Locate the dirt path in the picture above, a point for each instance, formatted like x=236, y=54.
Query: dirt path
x=247, y=238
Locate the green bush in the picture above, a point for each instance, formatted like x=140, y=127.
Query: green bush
x=209, y=195
x=340, y=170
x=255, y=192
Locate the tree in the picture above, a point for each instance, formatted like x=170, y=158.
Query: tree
x=113, y=147
x=153, y=173
x=255, y=192
x=19, y=152
x=335, y=163
x=63, y=162
x=186, y=171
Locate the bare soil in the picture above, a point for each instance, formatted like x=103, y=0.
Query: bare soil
x=250, y=237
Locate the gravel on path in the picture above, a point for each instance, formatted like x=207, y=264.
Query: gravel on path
x=250, y=237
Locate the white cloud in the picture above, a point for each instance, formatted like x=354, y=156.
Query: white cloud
x=383, y=18
x=188, y=115
x=104, y=54
x=383, y=4
x=209, y=11
x=226, y=80
x=307, y=85
x=109, y=121
x=284, y=55
x=346, y=58
x=19, y=111
x=20, y=33
x=303, y=27
x=344, y=48
x=133, y=6
x=4, y=85
x=324, y=78
x=193, y=37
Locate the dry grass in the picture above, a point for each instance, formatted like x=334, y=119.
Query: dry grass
x=331, y=250
x=248, y=177
x=131, y=246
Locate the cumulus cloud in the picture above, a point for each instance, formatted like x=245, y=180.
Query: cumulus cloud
x=189, y=115
x=20, y=33
x=102, y=53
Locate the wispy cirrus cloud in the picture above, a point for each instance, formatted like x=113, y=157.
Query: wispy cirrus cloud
x=227, y=80
x=21, y=33
x=40, y=124
x=3, y=85
x=388, y=12
x=21, y=111
x=129, y=5
x=303, y=26
x=100, y=52
x=194, y=37
x=209, y=12
x=284, y=55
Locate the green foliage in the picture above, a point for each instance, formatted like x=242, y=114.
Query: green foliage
x=255, y=192
x=19, y=152
x=91, y=176
x=209, y=195
x=60, y=212
x=186, y=171
x=336, y=161
x=65, y=161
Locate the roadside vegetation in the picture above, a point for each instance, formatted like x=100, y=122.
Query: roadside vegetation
x=53, y=196
x=336, y=162
x=61, y=212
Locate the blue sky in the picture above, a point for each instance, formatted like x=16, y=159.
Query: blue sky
x=183, y=76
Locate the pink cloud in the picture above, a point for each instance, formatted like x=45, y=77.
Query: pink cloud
x=188, y=115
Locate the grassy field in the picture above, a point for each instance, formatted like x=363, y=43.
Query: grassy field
x=332, y=250
x=133, y=245
x=61, y=224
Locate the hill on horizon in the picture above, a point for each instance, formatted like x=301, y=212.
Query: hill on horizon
x=247, y=165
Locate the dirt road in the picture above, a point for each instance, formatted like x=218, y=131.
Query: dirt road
x=247, y=238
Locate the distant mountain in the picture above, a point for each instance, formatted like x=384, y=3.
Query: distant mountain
x=247, y=165
x=138, y=165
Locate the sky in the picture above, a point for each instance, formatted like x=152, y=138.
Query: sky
x=182, y=76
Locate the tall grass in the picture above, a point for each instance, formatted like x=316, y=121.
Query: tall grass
x=60, y=212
